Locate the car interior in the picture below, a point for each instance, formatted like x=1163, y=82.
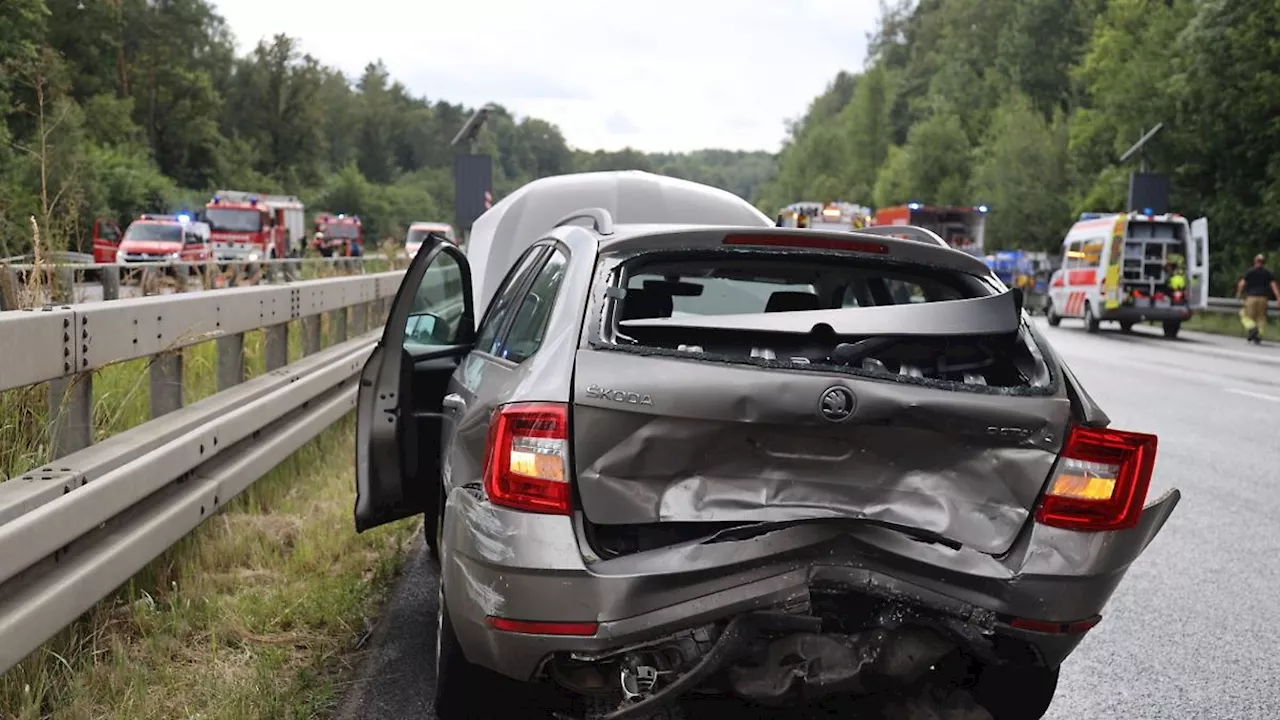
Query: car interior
x=667, y=288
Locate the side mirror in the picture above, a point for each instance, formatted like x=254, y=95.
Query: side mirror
x=426, y=329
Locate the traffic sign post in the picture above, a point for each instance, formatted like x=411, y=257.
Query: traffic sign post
x=472, y=174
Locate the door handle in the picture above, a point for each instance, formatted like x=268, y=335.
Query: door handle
x=454, y=401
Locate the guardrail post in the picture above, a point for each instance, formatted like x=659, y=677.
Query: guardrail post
x=360, y=318
x=311, y=334
x=230, y=350
x=10, y=291
x=71, y=414
x=338, y=325
x=111, y=282
x=166, y=383
x=277, y=340
x=64, y=288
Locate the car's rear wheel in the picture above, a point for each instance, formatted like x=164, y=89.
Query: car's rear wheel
x=464, y=691
x=1091, y=321
x=1054, y=318
x=1171, y=328
x=1015, y=693
x=1126, y=327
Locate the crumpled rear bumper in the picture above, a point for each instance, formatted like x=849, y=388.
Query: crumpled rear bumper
x=530, y=567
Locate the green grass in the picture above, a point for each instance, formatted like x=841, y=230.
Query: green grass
x=1223, y=324
x=251, y=616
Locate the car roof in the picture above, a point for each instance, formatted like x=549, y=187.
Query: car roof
x=503, y=233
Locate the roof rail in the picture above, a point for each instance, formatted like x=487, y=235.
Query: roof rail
x=918, y=234
x=598, y=216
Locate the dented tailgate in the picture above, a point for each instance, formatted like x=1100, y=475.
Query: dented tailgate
x=669, y=439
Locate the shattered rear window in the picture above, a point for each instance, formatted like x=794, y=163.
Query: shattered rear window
x=711, y=284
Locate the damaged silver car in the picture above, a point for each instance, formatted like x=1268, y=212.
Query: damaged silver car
x=684, y=452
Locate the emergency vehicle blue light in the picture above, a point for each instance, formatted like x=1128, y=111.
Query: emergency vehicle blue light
x=184, y=218
x=982, y=208
x=913, y=206
x=1147, y=211
x=341, y=215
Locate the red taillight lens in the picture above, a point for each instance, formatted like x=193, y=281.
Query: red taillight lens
x=527, y=467
x=817, y=243
x=1101, y=480
x=529, y=627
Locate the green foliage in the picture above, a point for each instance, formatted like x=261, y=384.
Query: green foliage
x=114, y=107
x=1026, y=105
x=1020, y=168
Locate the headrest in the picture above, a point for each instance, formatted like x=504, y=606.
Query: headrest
x=642, y=304
x=785, y=301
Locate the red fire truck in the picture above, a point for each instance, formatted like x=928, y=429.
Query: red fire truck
x=338, y=235
x=961, y=227
x=248, y=226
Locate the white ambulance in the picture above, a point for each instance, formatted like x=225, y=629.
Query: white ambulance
x=1115, y=267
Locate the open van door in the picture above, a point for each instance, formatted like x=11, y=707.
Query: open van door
x=400, y=406
x=106, y=241
x=1198, y=263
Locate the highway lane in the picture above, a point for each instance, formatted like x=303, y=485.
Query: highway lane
x=1191, y=631
x=1189, y=634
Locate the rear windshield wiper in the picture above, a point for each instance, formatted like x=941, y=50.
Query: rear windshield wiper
x=746, y=532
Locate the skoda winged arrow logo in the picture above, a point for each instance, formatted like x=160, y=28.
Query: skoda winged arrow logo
x=837, y=404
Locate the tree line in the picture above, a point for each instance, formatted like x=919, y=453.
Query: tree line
x=1025, y=106
x=111, y=108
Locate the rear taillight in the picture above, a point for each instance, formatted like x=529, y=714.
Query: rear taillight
x=527, y=466
x=530, y=627
x=1101, y=480
x=817, y=243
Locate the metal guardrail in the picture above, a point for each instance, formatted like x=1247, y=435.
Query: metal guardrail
x=65, y=278
x=75, y=529
x=56, y=256
x=1231, y=306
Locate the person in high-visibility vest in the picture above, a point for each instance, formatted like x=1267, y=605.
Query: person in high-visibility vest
x=1177, y=281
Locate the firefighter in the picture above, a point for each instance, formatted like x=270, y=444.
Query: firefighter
x=1254, y=286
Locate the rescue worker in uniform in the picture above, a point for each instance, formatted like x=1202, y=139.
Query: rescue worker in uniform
x=1255, y=286
x=1177, y=281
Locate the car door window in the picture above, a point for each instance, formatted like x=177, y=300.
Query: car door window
x=505, y=301
x=438, y=305
x=525, y=336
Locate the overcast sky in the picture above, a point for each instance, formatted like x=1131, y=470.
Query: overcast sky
x=657, y=75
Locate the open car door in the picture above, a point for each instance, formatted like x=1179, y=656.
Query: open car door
x=1199, y=267
x=106, y=241
x=399, y=412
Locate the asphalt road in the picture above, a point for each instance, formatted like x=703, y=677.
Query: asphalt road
x=1191, y=633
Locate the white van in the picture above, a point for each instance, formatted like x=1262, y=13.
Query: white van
x=1115, y=268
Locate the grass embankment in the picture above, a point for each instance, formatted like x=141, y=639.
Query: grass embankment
x=250, y=616
x=1223, y=324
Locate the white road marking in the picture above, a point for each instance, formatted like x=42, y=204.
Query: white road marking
x=1251, y=394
